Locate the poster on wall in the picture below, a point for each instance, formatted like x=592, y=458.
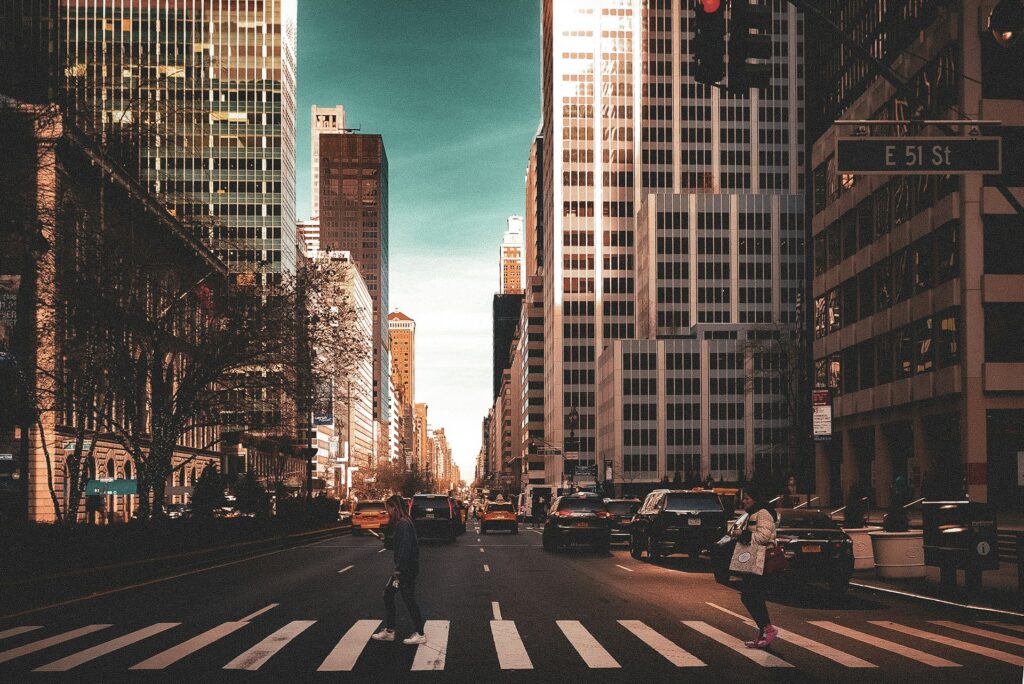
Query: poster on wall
x=8, y=315
x=821, y=416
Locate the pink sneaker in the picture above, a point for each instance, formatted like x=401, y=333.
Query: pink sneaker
x=770, y=633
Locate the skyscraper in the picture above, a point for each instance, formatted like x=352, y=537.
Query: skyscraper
x=402, y=331
x=512, y=257
x=322, y=120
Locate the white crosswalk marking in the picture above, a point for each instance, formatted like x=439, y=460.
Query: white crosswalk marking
x=512, y=653
x=252, y=616
x=13, y=653
x=1003, y=625
x=988, y=634
x=76, y=659
x=176, y=653
x=344, y=656
x=885, y=645
x=593, y=653
x=759, y=656
x=952, y=643
x=254, y=658
x=431, y=655
x=15, y=631
x=661, y=645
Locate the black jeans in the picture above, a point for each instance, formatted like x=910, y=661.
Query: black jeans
x=407, y=588
x=752, y=596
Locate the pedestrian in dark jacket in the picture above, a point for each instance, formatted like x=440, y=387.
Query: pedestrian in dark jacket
x=759, y=529
x=403, y=579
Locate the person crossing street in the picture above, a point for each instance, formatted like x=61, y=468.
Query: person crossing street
x=403, y=579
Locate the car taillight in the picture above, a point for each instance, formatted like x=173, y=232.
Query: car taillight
x=603, y=514
x=563, y=514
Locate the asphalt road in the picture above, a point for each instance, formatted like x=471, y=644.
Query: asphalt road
x=499, y=608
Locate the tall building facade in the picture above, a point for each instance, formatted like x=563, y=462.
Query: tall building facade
x=198, y=98
x=322, y=120
x=918, y=313
x=512, y=257
x=505, y=310
x=672, y=210
x=402, y=332
x=308, y=235
x=422, y=435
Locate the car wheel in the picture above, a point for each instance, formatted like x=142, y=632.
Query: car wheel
x=653, y=552
x=635, y=549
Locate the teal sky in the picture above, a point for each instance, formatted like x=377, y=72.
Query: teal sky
x=453, y=86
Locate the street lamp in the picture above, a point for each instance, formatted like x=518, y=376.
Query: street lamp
x=1006, y=21
x=570, y=451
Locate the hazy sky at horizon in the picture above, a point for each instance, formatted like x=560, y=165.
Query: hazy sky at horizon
x=454, y=89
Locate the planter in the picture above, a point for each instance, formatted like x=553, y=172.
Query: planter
x=898, y=554
x=863, y=554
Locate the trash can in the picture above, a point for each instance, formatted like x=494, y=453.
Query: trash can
x=960, y=535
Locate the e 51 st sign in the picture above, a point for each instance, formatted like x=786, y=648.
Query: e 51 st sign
x=913, y=155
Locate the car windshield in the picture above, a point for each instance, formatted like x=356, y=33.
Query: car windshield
x=507, y=507
x=427, y=505
x=811, y=520
x=369, y=506
x=623, y=507
x=583, y=505
x=693, y=502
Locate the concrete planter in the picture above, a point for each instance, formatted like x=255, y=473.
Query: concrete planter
x=863, y=553
x=898, y=554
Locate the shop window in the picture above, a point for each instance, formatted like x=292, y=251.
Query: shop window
x=947, y=340
x=925, y=352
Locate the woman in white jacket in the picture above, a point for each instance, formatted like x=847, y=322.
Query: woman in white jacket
x=759, y=530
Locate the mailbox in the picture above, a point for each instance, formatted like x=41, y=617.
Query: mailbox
x=960, y=534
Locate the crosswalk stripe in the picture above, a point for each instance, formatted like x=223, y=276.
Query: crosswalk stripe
x=431, y=655
x=759, y=656
x=254, y=658
x=252, y=616
x=898, y=649
x=592, y=652
x=824, y=650
x=15, y=631
x=661, y=645
x=76, y=659
x=952, y=643
x=512, y=653
x=13, y=653
x=988, y=634
x=188, y=647
x=1003, y=625
x=345, y=654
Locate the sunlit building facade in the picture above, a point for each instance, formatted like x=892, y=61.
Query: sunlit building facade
x=322, y=120
x=512, y=257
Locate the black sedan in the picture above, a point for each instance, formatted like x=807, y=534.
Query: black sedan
x=817, y=550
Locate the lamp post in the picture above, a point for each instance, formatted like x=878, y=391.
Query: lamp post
x=570, y=450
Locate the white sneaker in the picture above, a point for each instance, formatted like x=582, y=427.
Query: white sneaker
x=414, y=638
x=384, y=635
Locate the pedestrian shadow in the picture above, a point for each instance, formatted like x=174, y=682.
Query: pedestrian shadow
x=795, y=594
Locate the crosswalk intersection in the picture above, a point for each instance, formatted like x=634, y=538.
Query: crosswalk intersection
x=689, y=643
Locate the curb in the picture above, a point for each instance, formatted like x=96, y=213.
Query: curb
x=933, y=599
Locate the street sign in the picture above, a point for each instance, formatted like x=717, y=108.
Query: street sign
x=583, y=471
x=70, y=446
x=6, y=457
x=919, y=155
x=821, y=414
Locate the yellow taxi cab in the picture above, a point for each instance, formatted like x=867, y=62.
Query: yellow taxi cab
x=368, y=515
x=499, y=514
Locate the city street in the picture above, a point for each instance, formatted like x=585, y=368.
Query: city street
x=498, y=608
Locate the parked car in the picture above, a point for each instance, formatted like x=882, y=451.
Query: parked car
x=577, y=519
x=676, y=521
x=178, y=510
x=622, y=512
x=368, y=515
x=816, y=547
x=434, y=516
x=499, y=515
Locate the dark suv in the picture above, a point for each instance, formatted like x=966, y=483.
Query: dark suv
x=577, y=519
x=676, y=521
x=434, y=516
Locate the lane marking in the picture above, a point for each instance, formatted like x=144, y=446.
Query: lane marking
x=431, y=655
x=15, y=631
x=76, y=659
x=512, y=653
x=988, y=634
x=763, y=658
x=254, y=658
x=592, y=652
x=345, y=654
x=661, y=645
x=898, y=649
x=952, y=643
x=824, y=650
x=13, y=653
x=188, y=647
x=382, y=550
x=623, y=567
x=261, y=611
x=993, y=623
x=932, y=599
x=487, y=568
x=496, y=610
x=346, y=569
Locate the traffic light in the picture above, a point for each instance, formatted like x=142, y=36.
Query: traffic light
x=750, y=44
x=708, y=46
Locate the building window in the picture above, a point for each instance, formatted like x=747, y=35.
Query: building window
x=1004, y=330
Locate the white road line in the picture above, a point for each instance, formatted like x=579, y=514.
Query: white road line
x=382, y=550
x=254, y=658
x=344, y=656
x=823, y=650
x=15, y=631
x=512, y=653
x=988, y=634
x=13, y=653
x=885, y=645
x=661, y=645
x=592, y=652
x=261, y=611
x=487, y=568
x=1003, y=625
x=496, y=610
x=952, y=643
x=763, y=658
x=623, y=567
x=346, y=569
x=188, y=647
x=76, y=659
x=431, y=655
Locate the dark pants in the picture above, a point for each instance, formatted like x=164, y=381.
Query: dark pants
x=752, y=596
x=407, y=588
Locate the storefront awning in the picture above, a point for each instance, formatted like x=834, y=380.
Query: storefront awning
x=118, y=487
